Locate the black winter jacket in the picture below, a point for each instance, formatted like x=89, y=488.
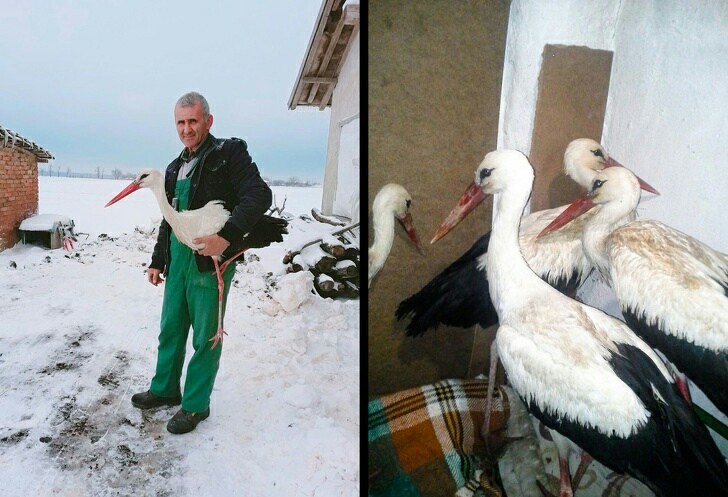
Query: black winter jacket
x=224, y=172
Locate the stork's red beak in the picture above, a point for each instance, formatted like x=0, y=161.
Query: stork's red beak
x=469, y=201
x=409, y=227
x=575, y=209
x=643, y=184
x=134, y=186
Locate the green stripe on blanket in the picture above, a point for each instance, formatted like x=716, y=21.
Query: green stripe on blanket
x=428, y=437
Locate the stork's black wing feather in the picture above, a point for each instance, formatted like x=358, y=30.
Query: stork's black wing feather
x=267, y=230
x=458, y=296
x=673, y=453
x=707, y=368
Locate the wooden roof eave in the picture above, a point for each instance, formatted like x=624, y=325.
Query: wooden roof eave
x=10, y=139
x=316, y=65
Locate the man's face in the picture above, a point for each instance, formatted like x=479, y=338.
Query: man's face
x=192, y=127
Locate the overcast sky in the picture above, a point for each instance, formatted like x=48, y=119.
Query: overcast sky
x=95, y=82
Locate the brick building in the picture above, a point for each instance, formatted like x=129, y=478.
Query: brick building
x=19, y=158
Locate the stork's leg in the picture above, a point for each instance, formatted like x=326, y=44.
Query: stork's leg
x=217, y=338
x=584, y=463
x=681, y=381
x=220, y=269
x=682, y=384
x=563, y=447
x=485, y=432
x=565, y=489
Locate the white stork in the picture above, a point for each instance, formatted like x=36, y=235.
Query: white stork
x=580, y=371
x=671, y=288
x=207, y=220
x=458, y=296
x=391, y=202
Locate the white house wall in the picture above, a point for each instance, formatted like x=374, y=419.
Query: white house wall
x=344, y=108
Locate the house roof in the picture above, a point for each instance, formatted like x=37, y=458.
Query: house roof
x=337, y=23
x=11, y=139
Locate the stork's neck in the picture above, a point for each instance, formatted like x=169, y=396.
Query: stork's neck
x=509, y=276
x=383, y=240
x=582, y=175
x=594, y=240
x=170, y=215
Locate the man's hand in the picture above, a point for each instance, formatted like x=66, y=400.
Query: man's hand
x=213, y=245
x=154, y=276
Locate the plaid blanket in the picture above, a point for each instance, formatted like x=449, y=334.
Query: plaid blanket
x=429, y=437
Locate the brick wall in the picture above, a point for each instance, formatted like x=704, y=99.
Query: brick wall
x=18, y=192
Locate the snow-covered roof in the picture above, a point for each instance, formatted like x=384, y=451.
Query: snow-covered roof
x=336, y=25
x=10, y=139
x=45, y=222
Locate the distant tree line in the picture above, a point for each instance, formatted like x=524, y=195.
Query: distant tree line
x=292, y=181
x=99, y=173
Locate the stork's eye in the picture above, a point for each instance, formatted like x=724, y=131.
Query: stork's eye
x=598, y=184
x=143, y=176
x=484, y=173
x=598, y=152
x=408, y=202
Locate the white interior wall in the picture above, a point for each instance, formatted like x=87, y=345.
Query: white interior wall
x=667, y=111
x=668, y=96
x=533, y=24
x=667, y=108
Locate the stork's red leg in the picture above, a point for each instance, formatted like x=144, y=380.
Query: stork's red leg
x=225, y=264
x=485, y=431
x=584, y=463
x=217, y=338
x=220, y=269
x=565, y=490
x=564, y=447
x=682, y=384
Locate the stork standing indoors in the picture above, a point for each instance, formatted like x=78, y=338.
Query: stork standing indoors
x=391, y=202
x=582, y=372
x=671, y=288
x=458, y=296
x=207, y=220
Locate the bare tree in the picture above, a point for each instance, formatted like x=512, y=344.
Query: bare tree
x=277, y=209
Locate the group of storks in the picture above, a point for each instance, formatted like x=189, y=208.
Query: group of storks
x=593, y=379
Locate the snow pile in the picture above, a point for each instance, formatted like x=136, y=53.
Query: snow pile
x=293, y=290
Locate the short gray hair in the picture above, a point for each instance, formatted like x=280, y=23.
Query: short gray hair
x=191, y=98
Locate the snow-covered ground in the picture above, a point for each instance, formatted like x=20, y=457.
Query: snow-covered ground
x=78, y=336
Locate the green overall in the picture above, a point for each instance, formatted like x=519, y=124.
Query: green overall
x=190, y=299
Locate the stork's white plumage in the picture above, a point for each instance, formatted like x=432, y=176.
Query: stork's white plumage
x=191, y=224
x=672, y=289
x=459, y=295
x=391, y=202
x=187, y=225
x=582, y=372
